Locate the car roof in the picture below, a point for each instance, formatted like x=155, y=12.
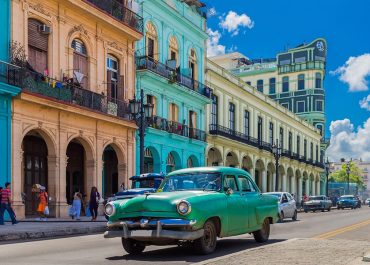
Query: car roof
x=148, y=176
x=273, y=192
x=230, y=170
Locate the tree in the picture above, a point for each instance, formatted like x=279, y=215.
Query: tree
x=355, y=175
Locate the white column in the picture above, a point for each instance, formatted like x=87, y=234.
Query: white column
x=307, y=191
x=313, y=187
x=264, y=181
x=284, y=179
x=299, y=189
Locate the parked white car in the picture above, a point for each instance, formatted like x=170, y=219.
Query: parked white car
x=367, y=201
x=287, y=205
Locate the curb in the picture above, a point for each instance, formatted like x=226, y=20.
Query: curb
x=210, y=261
x=51, y=234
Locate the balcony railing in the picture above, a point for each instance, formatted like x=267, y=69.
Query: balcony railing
x=163, y=124
x=119, y=12
x=66, y=92
x=215, y=129
x=172, y=75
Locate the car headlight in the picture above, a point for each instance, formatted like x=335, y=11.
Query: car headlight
x=183, y=207
x=110, y=209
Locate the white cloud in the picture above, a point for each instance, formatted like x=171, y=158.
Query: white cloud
x=346, y=142
x=354, y=72
x=233, y=22
x=213, y=46
x=211, y=12
x=365, y=103
x=233, y=48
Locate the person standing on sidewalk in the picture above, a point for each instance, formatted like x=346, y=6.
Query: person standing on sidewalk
x=6, y=204
x=77, y=202
x=94, y=203
x=42, y=208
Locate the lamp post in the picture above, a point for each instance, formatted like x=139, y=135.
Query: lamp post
x=141, y=113
x=327, y=168
x=348, y=170
x=276, y=150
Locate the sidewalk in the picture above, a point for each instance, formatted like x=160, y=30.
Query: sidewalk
x=32, y=229
x=301, y=252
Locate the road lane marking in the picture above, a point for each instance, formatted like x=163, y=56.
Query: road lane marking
x=342, y=230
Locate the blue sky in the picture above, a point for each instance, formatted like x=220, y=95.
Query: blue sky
x=270, y=26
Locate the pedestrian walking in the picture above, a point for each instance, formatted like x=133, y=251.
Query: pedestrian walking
x=76, y=204
x=6, y=204
x=43, y=208
x=94, y=203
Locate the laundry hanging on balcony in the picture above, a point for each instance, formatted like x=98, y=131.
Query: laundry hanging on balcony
x=79, y=76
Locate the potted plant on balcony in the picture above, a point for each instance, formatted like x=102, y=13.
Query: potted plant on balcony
x=172, y=78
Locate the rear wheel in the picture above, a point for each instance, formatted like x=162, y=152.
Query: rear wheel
x=329, y=209
x=207, y=243
x=132, y=246
x=294, y=218
x=263, y=234
x=281, y=217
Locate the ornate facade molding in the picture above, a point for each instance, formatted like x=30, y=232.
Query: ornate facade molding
x=115, y=46
x=39, y=8
x=80, y=28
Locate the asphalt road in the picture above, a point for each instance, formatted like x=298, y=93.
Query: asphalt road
x=337, y=224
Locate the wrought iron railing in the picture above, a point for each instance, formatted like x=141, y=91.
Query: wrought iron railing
x=120, y=12
x=63, y=91
x=176, y=128
x=145, y=62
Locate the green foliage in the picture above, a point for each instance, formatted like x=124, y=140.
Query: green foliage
x=355, y=175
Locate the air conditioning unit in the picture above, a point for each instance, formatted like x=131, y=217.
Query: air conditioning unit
x=44, y=29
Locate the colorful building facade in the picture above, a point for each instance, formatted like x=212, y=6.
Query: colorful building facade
x=170, y=70
x=7, y=92
x=71, y=122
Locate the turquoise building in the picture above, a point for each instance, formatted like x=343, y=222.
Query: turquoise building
x=170, y=69
x=6, y=93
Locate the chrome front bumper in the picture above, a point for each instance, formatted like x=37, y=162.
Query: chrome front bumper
x=153, y=229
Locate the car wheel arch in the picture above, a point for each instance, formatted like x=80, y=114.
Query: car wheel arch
x=217, y=222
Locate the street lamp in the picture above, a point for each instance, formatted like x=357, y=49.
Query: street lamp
x=327, y=168
x=348, y=170
x=276, y=150
x=141, y=113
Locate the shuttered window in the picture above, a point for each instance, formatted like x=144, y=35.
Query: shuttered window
x=80, y=62
x=37, y=46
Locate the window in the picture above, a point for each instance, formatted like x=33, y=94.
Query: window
x=174, y=50
x=80, y=62
x=115, y=87
x=305, y=148
x=298, y=145
x=37, y=47
x=301, y=82
x=300, y=106
x=319, y=126
x=192, y=119
x=260, y=129
x=271, y=134
x=245, y=184
x=231, y=116
x=246, y=122
x=318, y=80
x=193, y=66
x=214, y=110
x=272, y=85
x=290, y=142
x=152, y=100
x=174, y=112
x=281, y=136
x=285, y=105
x=285, y=84
x=151, y=41
x=260, y=85
x=317, y=153
x=230, y=182
x=311, y=150
x=319, y=105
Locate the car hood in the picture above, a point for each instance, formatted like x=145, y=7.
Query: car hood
x=158, y=202
x=134, y=192
x=346, y=200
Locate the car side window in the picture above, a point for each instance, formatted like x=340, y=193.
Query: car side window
x=230, y=182
x=245, y=185
x=289, y=197
x=285, y=198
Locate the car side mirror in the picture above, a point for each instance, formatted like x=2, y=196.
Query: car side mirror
x=228, y=191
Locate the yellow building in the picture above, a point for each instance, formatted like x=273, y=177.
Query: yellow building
x=244, y=125
x=71, y=128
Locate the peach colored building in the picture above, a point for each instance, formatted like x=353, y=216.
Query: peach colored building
x=71, y=127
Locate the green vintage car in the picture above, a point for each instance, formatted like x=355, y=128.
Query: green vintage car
x=196, y=206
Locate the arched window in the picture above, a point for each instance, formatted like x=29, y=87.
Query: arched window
x=38, y=42
x=301, y=82
x=193, y=64
x=285, y=84
x=151, y=41
x=80, y=63
x=174, y=51
x=150, y=99
x=318, y=80
x=170, y=163
x=189, y=163
x=115, y=82
x=173, y=112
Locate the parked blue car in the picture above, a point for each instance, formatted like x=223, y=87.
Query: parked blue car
x=347, y=201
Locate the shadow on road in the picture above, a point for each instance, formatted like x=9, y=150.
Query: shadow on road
x=224, y=247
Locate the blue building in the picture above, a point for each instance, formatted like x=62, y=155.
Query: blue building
x=170, y=70
x=6, y=94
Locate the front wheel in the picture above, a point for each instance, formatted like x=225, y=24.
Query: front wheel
x=132, y=246
x=281, y=217
x=294, y=218
x=263, y=234
x=207, y=243
x=329, y=209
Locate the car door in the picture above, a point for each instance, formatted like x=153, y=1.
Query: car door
x=251, y=196
x=291, y=203
x=285, y=205
x=235, y=213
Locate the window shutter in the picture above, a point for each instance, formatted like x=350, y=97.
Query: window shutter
x=35, y=37
x=121, y=87
x=109, y=84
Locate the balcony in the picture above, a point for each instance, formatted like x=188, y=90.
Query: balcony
x=62, y=91
x=147, y=63
x=120, y=12
x=163, y=124
x=215, y=129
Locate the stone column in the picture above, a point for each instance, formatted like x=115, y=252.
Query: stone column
x=273, y=181
x=307, y=191
x=313, y=183
x=318, y=191
x=299, y=189
x=284, y=179
x=264, y=181
x=53, y=183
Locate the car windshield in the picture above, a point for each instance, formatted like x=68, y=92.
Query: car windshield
x=145, y=183
x=275, y=194
x=347, y=198
x=315, y=198
x=192, y=181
